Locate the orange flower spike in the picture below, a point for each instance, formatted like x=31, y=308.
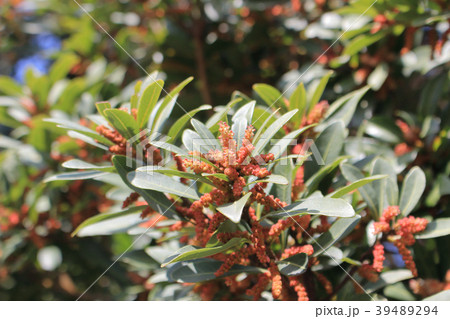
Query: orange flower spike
x=260, y=286
x=378, y=257
x=407, y=258
x=389, y=213
x=299, y=288
x=277, y=282
x=368, y=272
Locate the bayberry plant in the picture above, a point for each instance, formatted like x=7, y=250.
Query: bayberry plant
x=236, y=209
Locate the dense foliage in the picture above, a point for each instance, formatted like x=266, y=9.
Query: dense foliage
x=317, y=169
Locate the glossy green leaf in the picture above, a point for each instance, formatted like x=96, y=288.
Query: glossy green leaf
x=313, y=182
x=318, y=90
x=108, y=216
x=294, y=265
x=384, y=129
x=334, y=207
x=270, y=95
x=192, y=252
x=297, y=101
x=362, y=41
x=10, y=87
x=200, y=270
x=74, y=176
x=437, y=228
x=177, y=128
x=271, y=131
x=353, y=174
x=355, y=185
x=79, y=164
x=233, y=211
x=123, y=122
x=388, y=278
x=161, y=183
x=147, y=102
x=440, y=296
x=156, y=200
x=340, y=228
x=412, y=189
x=387, y=189
x=205, y=134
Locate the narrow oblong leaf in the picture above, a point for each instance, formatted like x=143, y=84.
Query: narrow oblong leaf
x=297, y=101
x=205, y=134
x=412, y=189
x=161, y=183
x=123, y=122
x=179, y=125
x=437, y=228
x=294, y=265
x=340, y=228
x=102, y=217
x=75, y=176
x=156, y=200
x=271, y=131
x=270, y=95
x=192, y=252
x=388, y=278
x=204, y=269
x=233, y=211
x=147, y=102
x=355, y=185
x=79, y=164
x=334, y=207
x=316, y=95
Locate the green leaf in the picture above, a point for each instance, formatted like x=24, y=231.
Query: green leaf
x=269, y=119
x=378, y=76
x=362, y=41
x=313, y=182
x=123, y=122
x=329, y=144
x=271, y=131
x=147, y=102
x=238, y=128
x=245, y=112
x=102, y=217
x=340, y=228
x=173, y=172
x=384, y=129
x=281, y=145
x=355, y=185
x=213, y=122
x=388, y=188
x=170, y=147
x=156, y=200
x=388, y=278
x=79, y=164
x=270, y=95
x=102, y=106
x=161, y=183
x=168, y=103
x=294, y=265
x=273, y=178
x=412, y=189
x=283, y=192
x=344, y=107
x=297, y=101
x=318, y=90
x=205, y=134
x=334, y=207
x=353, y=174
x=179, y=125
x=62, y=66
x=203, y=269
x=10, y=87
x=440, y=296
x=233, y=211
x=437, y=228
x=75, y=176
x=192, y=252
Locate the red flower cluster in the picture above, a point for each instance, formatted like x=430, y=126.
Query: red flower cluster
x=401, y=233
